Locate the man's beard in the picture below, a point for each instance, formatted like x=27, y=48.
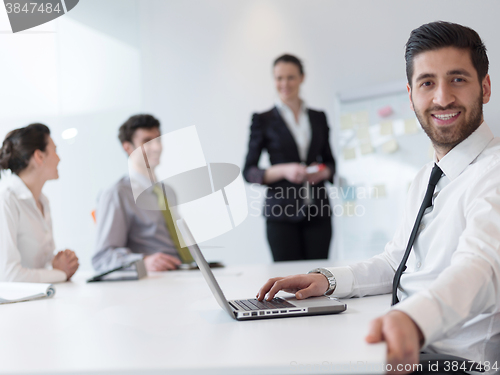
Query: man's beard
x=448, y=138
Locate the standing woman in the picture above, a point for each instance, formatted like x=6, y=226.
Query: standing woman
x=297, y=208
x=26, y=242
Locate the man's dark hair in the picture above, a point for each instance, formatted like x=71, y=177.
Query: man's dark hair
x=440, y=34
x=127, y=130
x=290, y=59
x=20, y=144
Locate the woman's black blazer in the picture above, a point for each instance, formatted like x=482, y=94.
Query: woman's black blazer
x=269, y=131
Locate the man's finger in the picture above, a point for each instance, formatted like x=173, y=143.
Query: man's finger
x=277, y=286
x=375, y=333
x=311, y=290
x=172, y=259
x=71, y=256
x=290, y=282
x=170, y=265
x=166, y=262
x=161, y=264
x=267, y=286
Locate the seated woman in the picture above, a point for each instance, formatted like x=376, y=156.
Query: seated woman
x=26, y=241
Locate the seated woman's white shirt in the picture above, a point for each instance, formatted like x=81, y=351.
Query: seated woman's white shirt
x=26, y=241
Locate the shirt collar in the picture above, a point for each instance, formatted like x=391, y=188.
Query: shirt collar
x=460, y=156
x=19, y=188
x=283, y=107
x=139, y=179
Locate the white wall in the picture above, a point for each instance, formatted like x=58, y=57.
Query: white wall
x=198, y=62
x=80, y=71
x=208, y=63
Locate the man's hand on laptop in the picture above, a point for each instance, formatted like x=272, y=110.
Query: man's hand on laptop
x=161, y=262
x=403, y=337
x=303, y=286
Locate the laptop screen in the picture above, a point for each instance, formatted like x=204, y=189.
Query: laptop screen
x=204, y=267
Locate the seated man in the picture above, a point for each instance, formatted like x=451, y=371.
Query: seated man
x=125, y=231
x=443, y=263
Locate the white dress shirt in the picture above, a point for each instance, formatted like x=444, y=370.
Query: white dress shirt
x=26, y=242
x=301, y=133
x=451, y=287
x=300, y=129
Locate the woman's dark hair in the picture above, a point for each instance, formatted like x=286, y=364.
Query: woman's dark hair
x=440, y=34
x=20, y=144
x=290, y=59
x=127, y=130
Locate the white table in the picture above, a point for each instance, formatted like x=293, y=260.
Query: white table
x=170, y=323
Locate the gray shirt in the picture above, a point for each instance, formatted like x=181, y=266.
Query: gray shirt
x=127, y=232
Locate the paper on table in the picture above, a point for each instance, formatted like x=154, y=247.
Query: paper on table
x=18, y=292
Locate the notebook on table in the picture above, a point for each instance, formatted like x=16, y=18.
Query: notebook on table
x=20, y=292
x=132, y=271
x=249, y=309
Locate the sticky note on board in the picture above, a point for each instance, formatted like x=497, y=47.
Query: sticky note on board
x=346, y=121
x=349, y=209
x=411, y=126
x=431, y=152
x=390, y=146
x=386, y=128
x=366, y=148
x=349, y=193
x=363, y=132
x=362, y=118
x=385, y=111
x=349, y=153
x=378, y=191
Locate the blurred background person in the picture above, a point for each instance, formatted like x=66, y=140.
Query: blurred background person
x=127, y=231
x=26, y=240
x=297, y=208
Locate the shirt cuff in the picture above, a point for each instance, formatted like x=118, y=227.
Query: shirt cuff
x=255, y=175
x=425, y=313
x=344, y=278
x=55, y=276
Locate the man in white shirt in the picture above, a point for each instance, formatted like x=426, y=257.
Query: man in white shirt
x=450, y=290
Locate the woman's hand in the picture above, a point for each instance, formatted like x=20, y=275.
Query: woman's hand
x=322, y=175
x=66, y=261
x=293, y=172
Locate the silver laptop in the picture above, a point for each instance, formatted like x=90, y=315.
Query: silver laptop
x=248, y=309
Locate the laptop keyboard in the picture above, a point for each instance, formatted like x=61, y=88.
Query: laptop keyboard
x=254, y=304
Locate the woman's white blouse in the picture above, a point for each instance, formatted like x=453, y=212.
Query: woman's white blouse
x=26, y=241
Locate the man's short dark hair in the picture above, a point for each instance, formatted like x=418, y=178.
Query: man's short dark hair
x=440, y=34
x=127, y=130
x=286, y=58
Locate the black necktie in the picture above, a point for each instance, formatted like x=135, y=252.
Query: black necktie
x=427, y=202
